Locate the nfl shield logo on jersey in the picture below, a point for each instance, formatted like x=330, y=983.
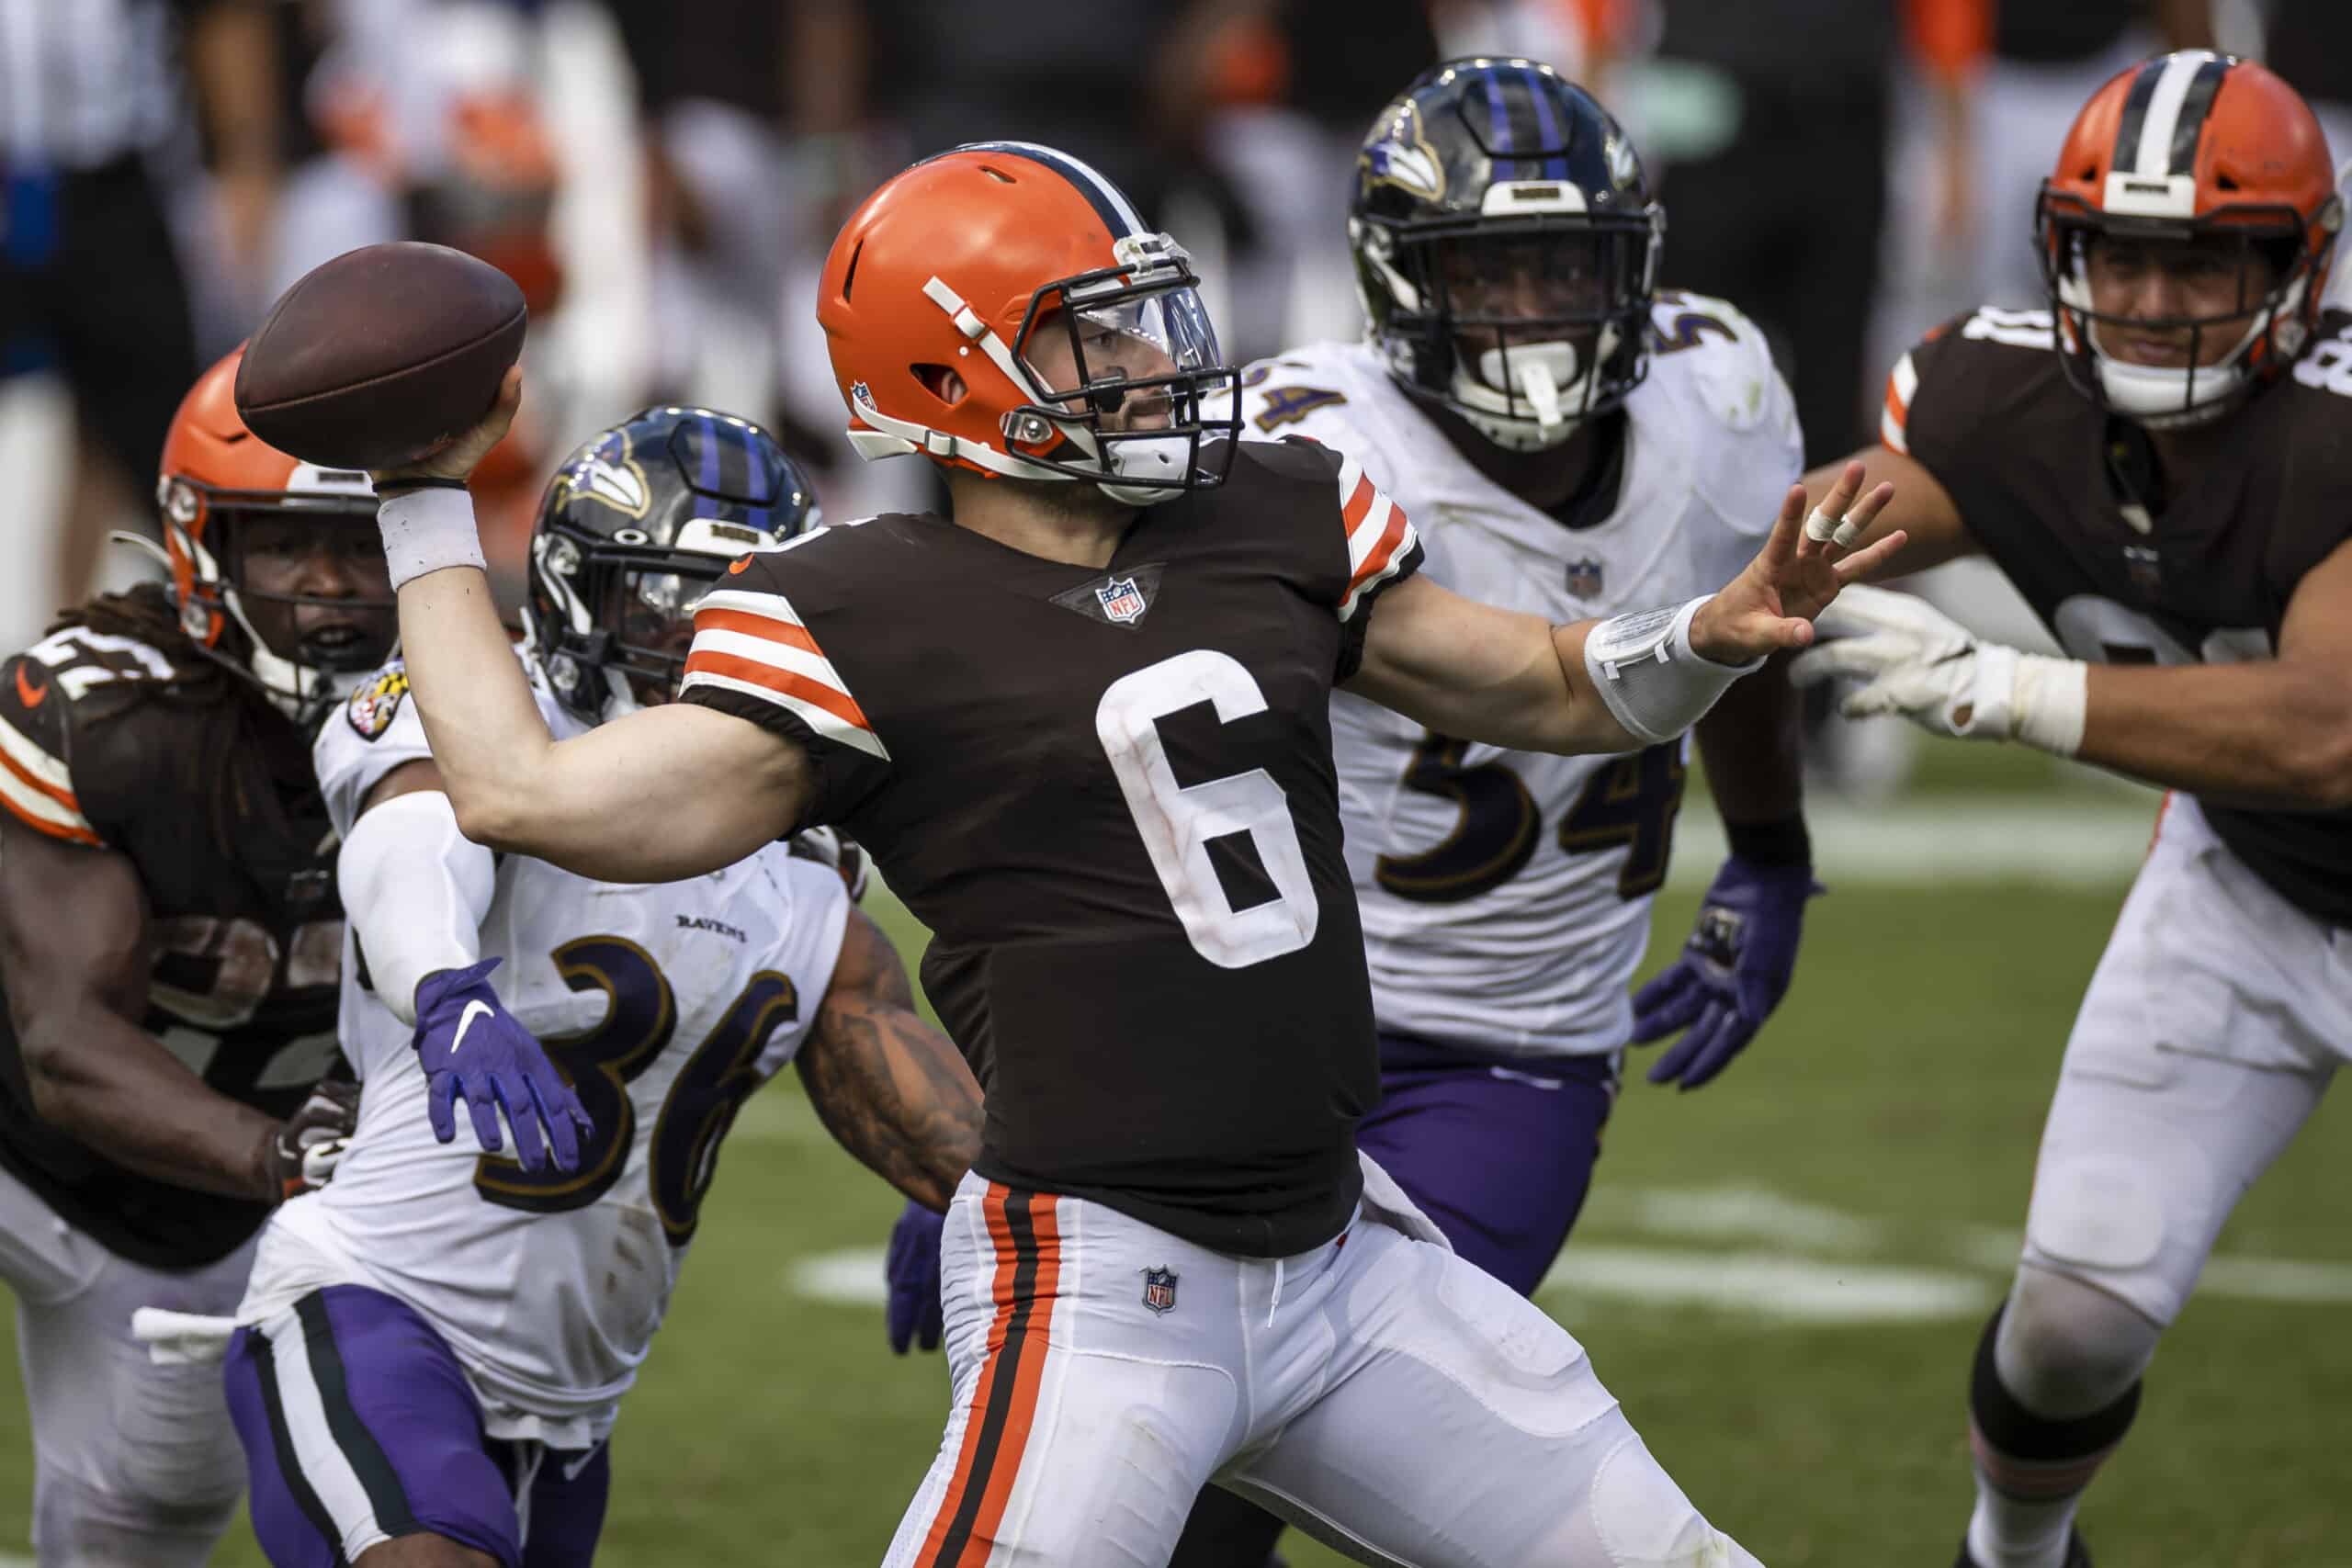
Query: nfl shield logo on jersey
x=1160, y=1290
x=1584, y=578
x=1123, y=601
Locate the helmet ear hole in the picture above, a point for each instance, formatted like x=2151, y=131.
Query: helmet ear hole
x=942, y=382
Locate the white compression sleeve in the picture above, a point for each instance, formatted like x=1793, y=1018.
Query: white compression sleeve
x=414, y=890
x=1654, y=683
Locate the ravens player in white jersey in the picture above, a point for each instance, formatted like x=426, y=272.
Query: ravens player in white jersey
x=434, y=1351
x=2160, y=463
x=1568, y=442
x=1083, y=727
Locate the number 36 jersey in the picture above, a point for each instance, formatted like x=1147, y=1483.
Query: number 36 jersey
x=666, y=1005
x=1506, y=893
x=1109, y=794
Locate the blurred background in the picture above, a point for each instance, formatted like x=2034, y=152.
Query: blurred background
x=662, y=178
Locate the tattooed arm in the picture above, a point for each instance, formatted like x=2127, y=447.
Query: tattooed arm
x=890, y=1089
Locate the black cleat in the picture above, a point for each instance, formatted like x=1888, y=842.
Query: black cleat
x=2077, y=1555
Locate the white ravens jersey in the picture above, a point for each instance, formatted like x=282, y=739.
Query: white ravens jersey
x=1506, y=893
x=667, y=1005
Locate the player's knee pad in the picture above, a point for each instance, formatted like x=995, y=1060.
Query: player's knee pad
x=74, y=1521
x=1643, y=1520
x=2066, y=1348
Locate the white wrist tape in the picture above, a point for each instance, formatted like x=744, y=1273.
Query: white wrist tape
x=425, y=530
x=1654, y=683
x=2050, y=701
x=414, y=890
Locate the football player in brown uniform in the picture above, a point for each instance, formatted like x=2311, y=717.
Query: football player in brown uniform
x=2159, y=462
x=169, y=943
x=1083, y=726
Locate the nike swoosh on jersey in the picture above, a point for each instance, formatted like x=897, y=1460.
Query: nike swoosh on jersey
x=32, y=696
x=466, y=1021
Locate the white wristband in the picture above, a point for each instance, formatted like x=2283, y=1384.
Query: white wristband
x=1654, y=683
x=425, y=530
x=2049, y=702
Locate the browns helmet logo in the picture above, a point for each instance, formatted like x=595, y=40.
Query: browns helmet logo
x=373, y=705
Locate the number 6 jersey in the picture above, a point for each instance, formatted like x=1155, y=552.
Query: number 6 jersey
x=1109, y=793
x=666, y=1005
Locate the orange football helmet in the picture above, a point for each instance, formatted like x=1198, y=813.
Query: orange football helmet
x=971, y=262
x=2191, y=146
x=215, y=475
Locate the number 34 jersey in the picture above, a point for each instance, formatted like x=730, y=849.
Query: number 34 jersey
x=666, y=1005
x=1506, y=893
x=1109, y=794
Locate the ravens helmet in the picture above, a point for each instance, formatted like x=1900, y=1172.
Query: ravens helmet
x=1506, y=249
x=633, y=528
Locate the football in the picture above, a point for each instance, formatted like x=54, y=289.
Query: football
x=373, y=359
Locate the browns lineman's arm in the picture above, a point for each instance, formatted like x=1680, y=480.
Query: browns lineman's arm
x=1509, y=678
x=2274, y=732
x=656, y=795
x=74, y=956
x=890, y=1089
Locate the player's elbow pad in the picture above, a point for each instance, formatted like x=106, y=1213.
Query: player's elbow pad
x=1654, y=683
x=414, y=891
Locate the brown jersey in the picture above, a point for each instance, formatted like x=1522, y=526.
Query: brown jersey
x=1109, y=792
x=246, y=946
x=2069, y=504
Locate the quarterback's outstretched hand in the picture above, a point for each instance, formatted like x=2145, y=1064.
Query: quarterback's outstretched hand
x=1917, y=661
x=472, y=1049
x=913, y=1271
x=307, y=1146
x=1802, y=567
x=1731, y=973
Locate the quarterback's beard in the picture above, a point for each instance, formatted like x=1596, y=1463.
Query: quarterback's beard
x=1067, y=501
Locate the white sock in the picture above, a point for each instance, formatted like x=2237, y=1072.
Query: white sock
x=2007, y=1533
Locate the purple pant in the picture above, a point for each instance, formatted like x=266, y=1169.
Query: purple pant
x=358, y=1426
x=1498, y=1151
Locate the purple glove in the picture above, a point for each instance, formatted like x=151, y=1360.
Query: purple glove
x=912, y=1269
x=1732, y=974
x=472, y=1049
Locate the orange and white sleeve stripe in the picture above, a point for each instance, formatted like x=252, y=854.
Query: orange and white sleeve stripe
x=1379, y=536
x=1894, y=421
x=38, y=790
x=754, y=643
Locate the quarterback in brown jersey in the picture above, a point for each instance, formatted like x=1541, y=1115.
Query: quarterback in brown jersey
x=2160, y=463
x=1082, y=727
x=170, y=936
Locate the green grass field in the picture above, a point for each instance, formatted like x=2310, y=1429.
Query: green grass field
x=1785, y=1277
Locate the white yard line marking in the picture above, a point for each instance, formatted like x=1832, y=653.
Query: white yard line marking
x=1779, y=1287
x=1782, y=1281
x=1731, y=1214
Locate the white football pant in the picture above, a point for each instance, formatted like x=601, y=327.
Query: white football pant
x=2216, y=1018
x=135, y=1465
x=1382, y=1394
